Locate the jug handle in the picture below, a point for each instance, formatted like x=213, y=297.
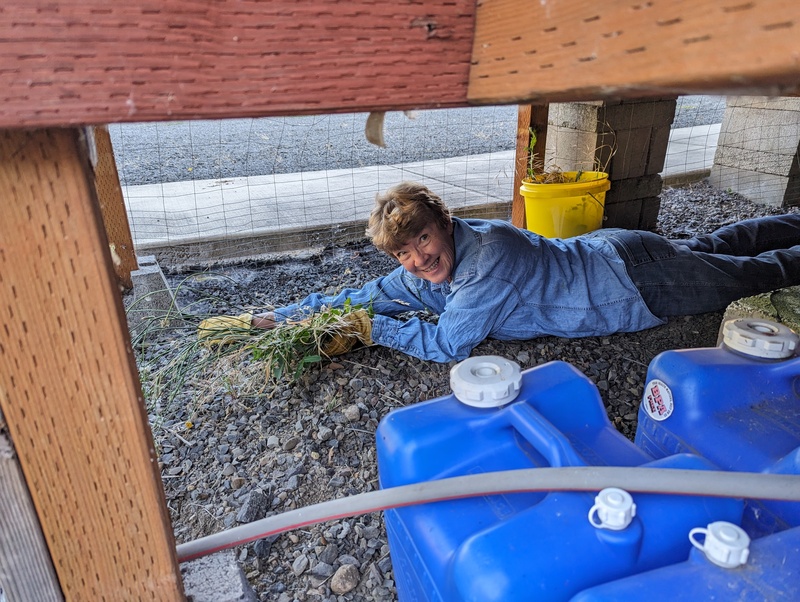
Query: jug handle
x=543, y=436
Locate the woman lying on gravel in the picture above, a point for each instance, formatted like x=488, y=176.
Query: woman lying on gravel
x=487, y=278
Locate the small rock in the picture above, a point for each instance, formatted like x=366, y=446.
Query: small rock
x=273, y=442
x=329, y=554
x=352, y=413
x=345, y=579
x=263, y=546
x=290, y=443
x=385, y=564
x=324, y=433
x=348, y=559
x=300, y=564
x=322, y=569
x=254, y=508
x=336, y=481
x=238, y=482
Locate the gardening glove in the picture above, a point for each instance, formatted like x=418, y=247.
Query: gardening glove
x=357, y=328
x=223, y=329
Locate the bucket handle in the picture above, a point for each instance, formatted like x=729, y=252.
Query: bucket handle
x=594, y=198
x=545, y=438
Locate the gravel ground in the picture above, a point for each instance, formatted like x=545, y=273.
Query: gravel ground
x=228, y=458
x=173, y=151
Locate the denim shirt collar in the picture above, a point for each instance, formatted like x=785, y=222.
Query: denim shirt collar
x=466, y=242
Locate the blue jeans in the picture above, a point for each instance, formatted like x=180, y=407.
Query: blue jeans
x=707, y=272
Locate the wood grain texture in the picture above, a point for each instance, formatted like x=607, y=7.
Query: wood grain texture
x=26, y=572
x=94, y=61
x=69, y=389
x=112, y=208
x=577, y=50
x=528, y=116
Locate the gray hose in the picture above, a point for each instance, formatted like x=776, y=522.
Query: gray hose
x=589, y=478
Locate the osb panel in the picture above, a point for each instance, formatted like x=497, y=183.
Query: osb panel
x=69, y=389
x=579, y=50
x=94, y=61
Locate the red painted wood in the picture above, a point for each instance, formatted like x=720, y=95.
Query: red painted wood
x=95, y=61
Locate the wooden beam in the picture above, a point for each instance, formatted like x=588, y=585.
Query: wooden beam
x=95, y=61
x=69, y=388
x=26, y=572
x=528, y=117
x=579, y=50
x=112, y=208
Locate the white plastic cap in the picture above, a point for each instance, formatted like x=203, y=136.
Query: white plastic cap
x=486, y=381
x=613, y=509
x=726, y=544
x=759, y=338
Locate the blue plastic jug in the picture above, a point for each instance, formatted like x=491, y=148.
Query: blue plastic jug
x=772, y=572
x=732, y=406
x=534, y=545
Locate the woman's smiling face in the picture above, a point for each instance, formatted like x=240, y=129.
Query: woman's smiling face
x=430, y=254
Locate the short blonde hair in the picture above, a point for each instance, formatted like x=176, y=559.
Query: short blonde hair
x=402, y=212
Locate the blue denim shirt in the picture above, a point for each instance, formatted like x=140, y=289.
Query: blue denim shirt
x=507, y=284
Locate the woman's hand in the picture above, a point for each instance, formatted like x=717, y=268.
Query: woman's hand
x=265, y=321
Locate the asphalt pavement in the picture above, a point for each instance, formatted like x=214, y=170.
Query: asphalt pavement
x=177, y=151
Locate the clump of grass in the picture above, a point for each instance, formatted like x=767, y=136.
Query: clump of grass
x=289, y=348
x=245, y=362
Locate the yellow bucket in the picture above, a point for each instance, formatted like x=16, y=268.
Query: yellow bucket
x=566, y=209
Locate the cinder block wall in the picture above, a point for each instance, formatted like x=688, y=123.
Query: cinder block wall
x=583, y=135
x=757, y=152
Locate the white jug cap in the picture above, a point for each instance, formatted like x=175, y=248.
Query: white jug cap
x=726, y=544
x=614, y=509
x=759, y=338
x=486, y=381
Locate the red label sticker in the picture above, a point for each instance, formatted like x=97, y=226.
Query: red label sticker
x=657, y=400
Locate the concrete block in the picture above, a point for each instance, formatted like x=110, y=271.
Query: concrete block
x=782, y=306
x=761, y=161
x=769, y=131
x=758, y=151
x=659, y=140
x=634, y=188
x=640, y=114
x=580, y=116
x=648, y=217
x=634, y=214
x=764, y=188
x=153, y=303
x=570, y=150
x=216, y=578
x=630, y=160
x=623, y=215
x=781, y=103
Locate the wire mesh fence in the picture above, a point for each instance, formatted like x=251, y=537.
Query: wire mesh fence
x=222, y=190
x=242, y=187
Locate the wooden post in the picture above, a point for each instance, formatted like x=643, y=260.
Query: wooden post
x=26, y=572
x=528, y=116
x=112, y=207
x=69, y=389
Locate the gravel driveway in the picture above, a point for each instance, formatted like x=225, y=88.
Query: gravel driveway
x=229, y=457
